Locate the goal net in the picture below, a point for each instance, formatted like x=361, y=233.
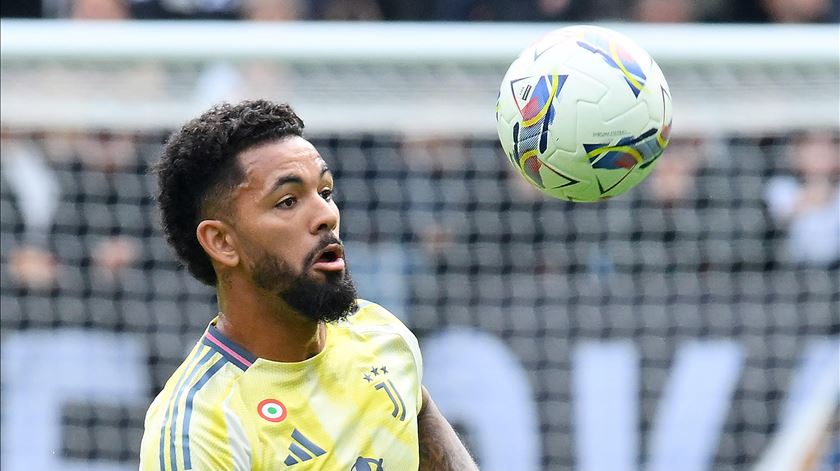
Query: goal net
x=685, y=325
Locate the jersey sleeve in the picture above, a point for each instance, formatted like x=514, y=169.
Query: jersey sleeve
x=204, y=438
x=414, y=347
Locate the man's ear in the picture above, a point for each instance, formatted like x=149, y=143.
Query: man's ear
x=218, y=241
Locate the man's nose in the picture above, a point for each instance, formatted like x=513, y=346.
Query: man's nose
x=326, y=217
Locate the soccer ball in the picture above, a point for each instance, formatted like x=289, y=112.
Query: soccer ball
x=584, y=113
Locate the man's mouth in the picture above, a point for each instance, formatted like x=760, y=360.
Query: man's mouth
x=331, y=258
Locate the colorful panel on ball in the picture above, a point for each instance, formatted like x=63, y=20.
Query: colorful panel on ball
x=628, y=151
x=531, y=138
x=537, y=97
x=618, y=58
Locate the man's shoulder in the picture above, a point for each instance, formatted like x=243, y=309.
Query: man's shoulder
x=192, y=408
x=191, y=413
x=372, y=319
x=371, y=316
x=384, y=335
x=201, y=382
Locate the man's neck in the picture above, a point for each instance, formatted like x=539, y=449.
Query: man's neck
x=266, y=327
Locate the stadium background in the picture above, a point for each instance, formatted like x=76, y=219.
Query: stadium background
x=673, y=327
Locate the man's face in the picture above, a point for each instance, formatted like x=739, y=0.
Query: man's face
x=287, y=225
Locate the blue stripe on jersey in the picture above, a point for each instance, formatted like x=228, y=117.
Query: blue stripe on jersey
x=185, y=427
x=307, y=443
x=187, y=374
x=179, y=392
x=299, y=452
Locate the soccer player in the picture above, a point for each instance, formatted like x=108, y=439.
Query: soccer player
x=295, y=372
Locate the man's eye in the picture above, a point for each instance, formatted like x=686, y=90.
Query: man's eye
x=286, y=202
x=327, y=194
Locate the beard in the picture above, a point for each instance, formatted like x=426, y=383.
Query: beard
x=328, y=301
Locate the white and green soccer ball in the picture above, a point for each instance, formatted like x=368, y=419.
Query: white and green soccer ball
x=584, y=113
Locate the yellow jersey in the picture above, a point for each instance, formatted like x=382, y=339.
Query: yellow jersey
x=353, y=406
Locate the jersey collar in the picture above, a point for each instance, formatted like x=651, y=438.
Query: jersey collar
x=230, y=350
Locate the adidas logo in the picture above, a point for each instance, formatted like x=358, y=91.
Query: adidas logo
x=302, y=449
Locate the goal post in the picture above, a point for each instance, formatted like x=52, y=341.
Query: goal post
x=408, y=78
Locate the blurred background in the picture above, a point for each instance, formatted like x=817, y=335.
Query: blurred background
x=691, y=324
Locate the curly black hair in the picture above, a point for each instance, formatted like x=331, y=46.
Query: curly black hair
x=199, y=169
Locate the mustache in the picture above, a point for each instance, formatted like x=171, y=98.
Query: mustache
x=330, y=239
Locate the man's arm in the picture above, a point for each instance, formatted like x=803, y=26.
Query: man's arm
x=440, y=447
